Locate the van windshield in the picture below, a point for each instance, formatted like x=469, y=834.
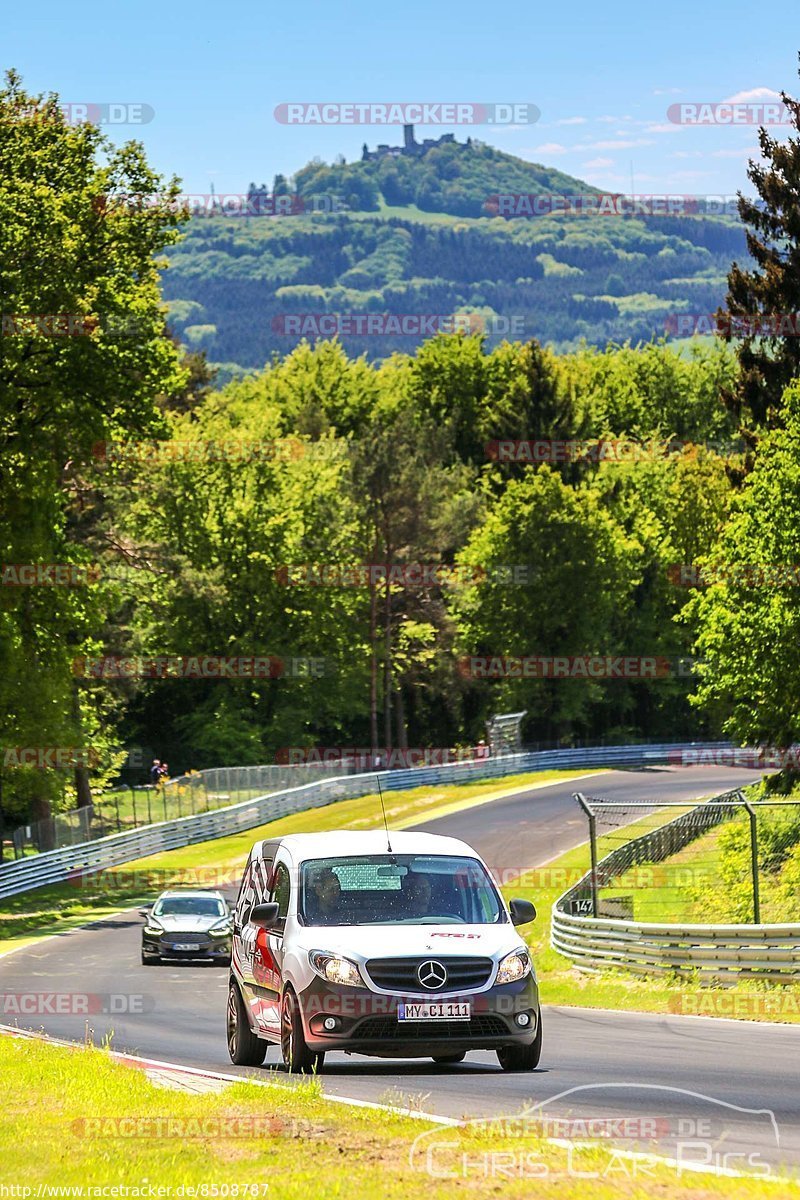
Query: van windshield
x=398, y=889
x=189, y=906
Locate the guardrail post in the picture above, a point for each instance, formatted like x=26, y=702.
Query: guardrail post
x=133, y=799
x=754, y=860
x=592, y=847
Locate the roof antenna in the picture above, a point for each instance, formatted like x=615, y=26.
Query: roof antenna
x=383, y=810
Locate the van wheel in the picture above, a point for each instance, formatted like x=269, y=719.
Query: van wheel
x=150, y=960
x=244, y=1048
x=446, y=1059
x=297, y=1057
x=522, y=1058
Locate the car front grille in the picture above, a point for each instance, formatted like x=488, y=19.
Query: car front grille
x=388, y=1029
x=186, y=939
x=400, y=974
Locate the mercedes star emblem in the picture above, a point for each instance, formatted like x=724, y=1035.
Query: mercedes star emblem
x=432, y=974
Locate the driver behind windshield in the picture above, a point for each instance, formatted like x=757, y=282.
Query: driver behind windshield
x=416, y=894
x=325, y=897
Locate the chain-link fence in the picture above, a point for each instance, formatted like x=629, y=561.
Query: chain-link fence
x=729, y=860
x=131, y=807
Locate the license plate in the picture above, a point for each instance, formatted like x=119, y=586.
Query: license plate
x=186, y=946
x=435, y=1010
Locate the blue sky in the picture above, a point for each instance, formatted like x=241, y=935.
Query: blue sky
x=603, y=77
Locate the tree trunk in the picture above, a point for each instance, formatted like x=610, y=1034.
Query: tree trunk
x=373, y=667
x=82, y=788
x=387, y=663
x=400, y=720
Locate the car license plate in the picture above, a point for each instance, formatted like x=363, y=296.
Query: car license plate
x=435, y=1010
x=186, y=946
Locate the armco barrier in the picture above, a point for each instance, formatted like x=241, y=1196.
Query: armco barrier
x=54, y=866
x=724, y=953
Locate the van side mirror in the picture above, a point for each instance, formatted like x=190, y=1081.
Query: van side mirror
x=265, y=916
x=144, y=912
x=522, y=911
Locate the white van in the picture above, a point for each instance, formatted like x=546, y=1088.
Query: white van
x=395, y=945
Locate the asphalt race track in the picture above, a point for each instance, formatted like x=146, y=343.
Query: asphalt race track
x=727, y=1087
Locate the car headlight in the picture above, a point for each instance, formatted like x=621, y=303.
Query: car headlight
x=515, y=965
x=335, y=968
x=152, y=926
x=221, y=929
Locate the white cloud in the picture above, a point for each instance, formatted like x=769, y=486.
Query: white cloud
x=673, y=91
x=666, y=128
x=597, y=164
x=742, y=152
x=620, y=144
x=548, y=148
x=759, y=93
x=686, y=154
x=572, y=121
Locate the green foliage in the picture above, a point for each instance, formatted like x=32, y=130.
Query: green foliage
x=748, y=620
x=422, y=237
x=67, y=251
x=764, y=293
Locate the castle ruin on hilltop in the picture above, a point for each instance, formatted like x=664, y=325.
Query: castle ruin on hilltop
x=411, y=148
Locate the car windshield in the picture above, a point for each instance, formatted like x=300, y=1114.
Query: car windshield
x=189, y=906
x=398, y=889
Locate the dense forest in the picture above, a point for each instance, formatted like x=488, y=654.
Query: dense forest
x=337, y=550
x=421, y=235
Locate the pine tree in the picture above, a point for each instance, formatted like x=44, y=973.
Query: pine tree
x=763, y=304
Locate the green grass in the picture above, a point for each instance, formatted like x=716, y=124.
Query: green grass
x=562, y=983
x=59, y=1126
x=688, y=886
x=56, y=909
x=211, y=864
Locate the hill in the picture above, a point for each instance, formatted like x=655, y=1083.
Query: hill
x=416, y=238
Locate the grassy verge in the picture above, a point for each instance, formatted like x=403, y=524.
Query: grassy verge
x=561, y=983
x=78, y=1119
x=219, y=863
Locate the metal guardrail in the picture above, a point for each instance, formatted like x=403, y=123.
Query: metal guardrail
x=55, y=866
x=127, y=807
x=724, y=953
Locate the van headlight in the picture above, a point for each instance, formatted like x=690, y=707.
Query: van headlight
x=221, y=929
x=515, y=965
x=335, y=969
x=153, y=928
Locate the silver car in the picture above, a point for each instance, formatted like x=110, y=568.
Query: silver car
x=187, y=925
